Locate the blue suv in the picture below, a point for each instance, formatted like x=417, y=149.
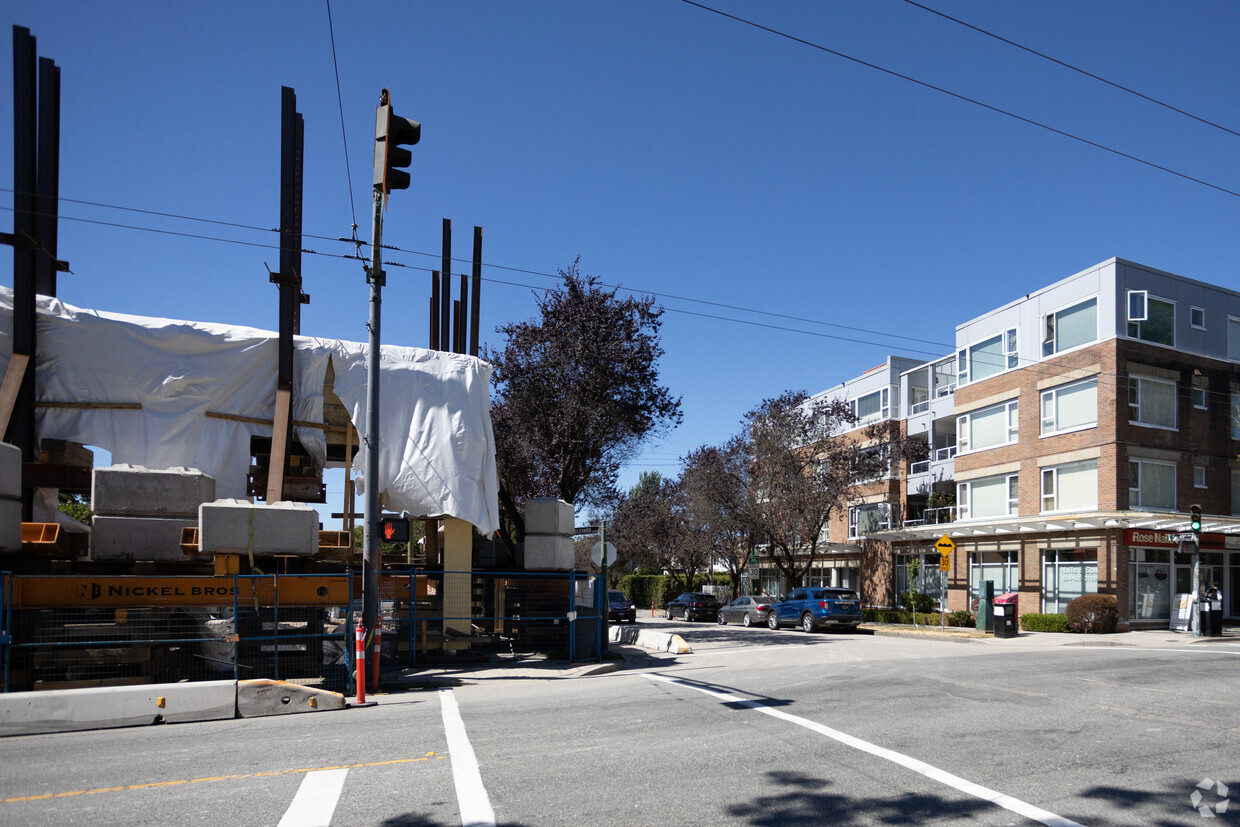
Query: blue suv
x=817, y=608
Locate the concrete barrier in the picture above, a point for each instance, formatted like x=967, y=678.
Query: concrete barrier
x=648, y=639
x=69, y=710
x=66, y=710
x=256, y=699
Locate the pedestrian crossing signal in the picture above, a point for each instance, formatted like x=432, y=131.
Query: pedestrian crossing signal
x=394, y=530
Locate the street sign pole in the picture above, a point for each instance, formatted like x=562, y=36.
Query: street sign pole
x=946, y=545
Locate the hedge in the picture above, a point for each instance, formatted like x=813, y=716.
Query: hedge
x=1034, y=622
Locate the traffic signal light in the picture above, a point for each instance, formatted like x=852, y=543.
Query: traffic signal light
x=1194, y=520
x=392, y=134
x=394, y=530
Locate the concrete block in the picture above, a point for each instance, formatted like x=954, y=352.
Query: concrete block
x=547, y=515
x=66, y=710
x=137, y=538
x=258, y=698
x=545, y=552
x=10, y=471
x=134, y=491
x=239, y=526
x=10, y=526
x=648, y=639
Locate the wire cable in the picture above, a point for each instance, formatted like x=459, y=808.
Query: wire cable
x=1076, y=69
x=340, y=104
x=997, y=110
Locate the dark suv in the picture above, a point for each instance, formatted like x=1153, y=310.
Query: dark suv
x=817, y=608
x=693, y=606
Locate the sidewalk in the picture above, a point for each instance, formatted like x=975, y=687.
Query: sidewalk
x=1139, y=638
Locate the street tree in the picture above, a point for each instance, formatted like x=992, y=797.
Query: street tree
x=807, y=460
x=576, y=393
x=715, y=480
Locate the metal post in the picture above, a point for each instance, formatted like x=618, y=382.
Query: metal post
x=604, y=646
x=1196, y=618
x=370, y=545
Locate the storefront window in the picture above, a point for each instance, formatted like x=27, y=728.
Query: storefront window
x=1149, y=577
x=999, y=567
x=1066, y=575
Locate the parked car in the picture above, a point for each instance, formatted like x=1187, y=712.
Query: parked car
x=747, y=610
x=817, y=608
x=693, y=606
x=620, y=608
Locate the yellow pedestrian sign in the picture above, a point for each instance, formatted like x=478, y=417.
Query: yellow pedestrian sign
x=945, y=545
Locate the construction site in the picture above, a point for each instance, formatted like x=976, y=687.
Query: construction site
x=204, y=557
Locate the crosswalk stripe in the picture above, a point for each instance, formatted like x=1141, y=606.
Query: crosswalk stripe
x=315, y=800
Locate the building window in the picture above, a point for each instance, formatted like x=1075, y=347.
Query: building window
x=872, y=407
x=1151, y=485
x=1199, y=397
x=1070, y=407
x=988, y=497
x=1149, y=583
x=1199, y=476
x=987, y=358
x=1071, y=327
x=867, y=519
x=1070, y=487
x=987, y=428
x=999, y=567
x=1197, y=318
x=1066, y=575
x=1233, y=339
x=1151, y=402
x=1158, y=326
x=929, y=577
x=1235, y=416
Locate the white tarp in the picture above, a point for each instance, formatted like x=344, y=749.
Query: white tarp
x=437, y=451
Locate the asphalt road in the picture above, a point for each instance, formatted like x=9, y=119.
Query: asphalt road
x=755, y=727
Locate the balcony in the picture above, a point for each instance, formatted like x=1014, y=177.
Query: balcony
x=934, y=516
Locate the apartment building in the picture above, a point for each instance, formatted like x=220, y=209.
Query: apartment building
x=1066, y=439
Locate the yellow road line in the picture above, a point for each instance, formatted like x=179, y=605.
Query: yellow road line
x=430, y=756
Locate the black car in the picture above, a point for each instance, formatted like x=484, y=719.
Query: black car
x=620, y=608
x=693, y=606
x=748, y=611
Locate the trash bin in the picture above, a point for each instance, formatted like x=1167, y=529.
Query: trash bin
x=1006, y=625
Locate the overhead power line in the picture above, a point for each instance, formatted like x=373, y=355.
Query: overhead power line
x=1076, y=69
x=926, y=85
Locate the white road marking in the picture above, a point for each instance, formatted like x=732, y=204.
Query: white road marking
x=471, y=796
x=1007, y=802
x=315, y=800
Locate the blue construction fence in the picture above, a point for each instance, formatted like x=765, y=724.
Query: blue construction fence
x=277, y=626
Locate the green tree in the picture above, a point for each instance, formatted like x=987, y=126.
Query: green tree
x=576, y=394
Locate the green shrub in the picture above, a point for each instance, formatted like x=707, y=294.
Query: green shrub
x=1034, y=622
x=961, y=617
x=916, y=601
x=1093, y=614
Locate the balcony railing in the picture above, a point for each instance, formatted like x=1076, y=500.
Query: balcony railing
x=916, y=468
x=934, y=516
x=944, y=454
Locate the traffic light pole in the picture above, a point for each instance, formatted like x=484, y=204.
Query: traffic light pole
x=370, y=545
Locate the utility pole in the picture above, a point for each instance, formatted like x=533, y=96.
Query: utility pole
x=391, y=131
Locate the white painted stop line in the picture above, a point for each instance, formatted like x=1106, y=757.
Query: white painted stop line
x=315, y=800
x=471, y=795
x=1007, y=802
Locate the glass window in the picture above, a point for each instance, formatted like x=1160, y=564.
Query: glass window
x=1158, y=325
x=1199, y=397
x=988, y=497
x=1070, y=407
x=1137, y=305
x=1066, y=575
x=1070, y=487
x=987, y=358
x=1151, y=402
x=1197, y=318
x=866, y=519
x=1233, y=339
x=872, y=407
x=1071, y=327
x=1199, y=476
x=1151, y=485
x=999, y=567
x=996, y=425
x=1149, y=583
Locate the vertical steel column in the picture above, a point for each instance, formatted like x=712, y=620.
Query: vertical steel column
x=370, y=552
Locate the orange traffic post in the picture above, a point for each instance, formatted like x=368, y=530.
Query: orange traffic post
x=361, y=663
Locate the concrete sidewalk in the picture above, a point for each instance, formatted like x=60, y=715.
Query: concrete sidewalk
x=1140, y=638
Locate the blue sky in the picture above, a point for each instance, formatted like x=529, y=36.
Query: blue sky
x=800, y=215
